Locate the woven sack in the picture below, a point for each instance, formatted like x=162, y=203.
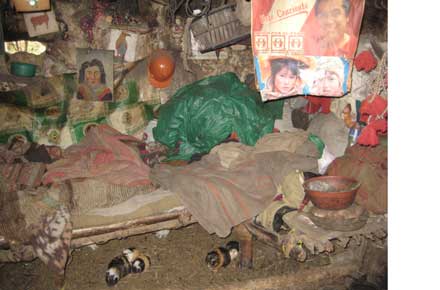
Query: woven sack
x=369, y=165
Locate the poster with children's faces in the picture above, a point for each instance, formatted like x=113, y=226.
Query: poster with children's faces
x=281, y=76
x=95, y=75
x=305, y=47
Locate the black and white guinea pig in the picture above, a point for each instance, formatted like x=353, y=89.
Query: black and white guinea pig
x=222, y=256
x=138, y=261
x=118, y=268
x=130, y=261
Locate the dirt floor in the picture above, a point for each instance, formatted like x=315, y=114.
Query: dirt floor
x=177, y=263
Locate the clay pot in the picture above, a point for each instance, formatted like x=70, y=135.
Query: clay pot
x=331, y=192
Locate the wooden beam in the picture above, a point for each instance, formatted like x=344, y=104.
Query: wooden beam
x=246, y=246
x=123, y=233
x=126, y=228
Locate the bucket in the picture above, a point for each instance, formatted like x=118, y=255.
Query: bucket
x=23, y=69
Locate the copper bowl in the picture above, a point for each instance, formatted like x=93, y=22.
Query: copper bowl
x=331, y=192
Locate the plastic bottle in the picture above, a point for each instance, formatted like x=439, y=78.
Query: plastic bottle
x=353, y=134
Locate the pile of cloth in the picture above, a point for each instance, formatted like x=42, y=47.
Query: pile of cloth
x=22, y=164
x=235, y=182
x=34, y=219
x=36, y=223
x=36, y=213
x=104, y=154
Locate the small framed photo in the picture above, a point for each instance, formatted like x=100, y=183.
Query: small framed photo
x=40, y=23
x=123, y=42
x=95, y=75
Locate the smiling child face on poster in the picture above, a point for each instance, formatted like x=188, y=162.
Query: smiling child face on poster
x=285, y=81
x=333, y=18
x=330, y=84
x=285, y=78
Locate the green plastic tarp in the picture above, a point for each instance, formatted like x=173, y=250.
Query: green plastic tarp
x=203, y=114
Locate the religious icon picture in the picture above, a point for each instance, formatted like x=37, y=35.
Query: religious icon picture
x=95, y=75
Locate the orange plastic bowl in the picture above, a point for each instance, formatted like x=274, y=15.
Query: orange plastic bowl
x=331, y=192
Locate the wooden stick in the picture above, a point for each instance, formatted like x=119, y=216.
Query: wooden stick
x=92, y=231
x=94, y=239
x=276, y=241
x=263, y=235
x=126, y=69
x=113, y=230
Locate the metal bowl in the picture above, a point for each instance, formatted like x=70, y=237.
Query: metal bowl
x=331, y=192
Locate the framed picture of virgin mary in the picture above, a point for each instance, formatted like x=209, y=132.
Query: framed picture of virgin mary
x=95, y=75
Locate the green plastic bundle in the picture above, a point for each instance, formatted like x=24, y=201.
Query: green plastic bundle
x=203, y=114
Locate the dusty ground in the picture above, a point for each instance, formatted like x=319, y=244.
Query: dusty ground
x=177, y=263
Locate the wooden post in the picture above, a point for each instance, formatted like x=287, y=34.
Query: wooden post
x=246, y=246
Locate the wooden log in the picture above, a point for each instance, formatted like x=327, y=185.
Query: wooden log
x=284, y=244
x=96, y=239
x=263, y=235
x=93, y=231
x=135, y=226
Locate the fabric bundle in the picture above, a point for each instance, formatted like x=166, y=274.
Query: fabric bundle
x=374, y=113
x=235, y=182
x=104, y=154
x=365, y=61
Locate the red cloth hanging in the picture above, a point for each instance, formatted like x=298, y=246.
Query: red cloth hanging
x=373, y=111
x=365, y=61
x=317, y=103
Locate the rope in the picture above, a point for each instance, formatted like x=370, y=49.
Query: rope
x=377, y=84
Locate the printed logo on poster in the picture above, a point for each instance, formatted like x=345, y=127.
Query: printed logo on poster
x=278, y=42
x=296, y=43
x=261, y=42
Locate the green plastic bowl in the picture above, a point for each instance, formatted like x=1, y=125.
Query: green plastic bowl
x=23, y=69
